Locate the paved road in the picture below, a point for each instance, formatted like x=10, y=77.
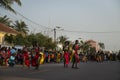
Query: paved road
x=87, y=71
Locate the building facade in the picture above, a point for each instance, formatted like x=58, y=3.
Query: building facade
x=94, y=44
x=4, y=29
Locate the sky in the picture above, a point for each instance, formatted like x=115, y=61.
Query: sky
x=98, y=20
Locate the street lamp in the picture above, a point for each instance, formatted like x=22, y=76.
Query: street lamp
x=58, y=27
x=79, y=38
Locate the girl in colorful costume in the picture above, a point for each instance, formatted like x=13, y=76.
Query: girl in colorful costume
x=66, y=54
x=36, y=58
x=26, y=59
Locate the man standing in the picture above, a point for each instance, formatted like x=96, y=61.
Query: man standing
x=76, y=47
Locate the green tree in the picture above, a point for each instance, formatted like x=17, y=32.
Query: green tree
x=31, y=40
x=49, y=44
x=21, y=27
x=5, y=20
x=19, y=40
x=102, y=46
x=39, y=39
x=92, y=51
x=7, y=4
x=84, y=46
x=9, y=39
x=62, y=39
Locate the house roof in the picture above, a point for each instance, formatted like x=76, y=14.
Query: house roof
x=89, y=41
x=6, y=29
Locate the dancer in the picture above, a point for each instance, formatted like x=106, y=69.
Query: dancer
x=26, y=59
x=36, y=58
x=76, y=47
x=12, y=60
x=66, y=54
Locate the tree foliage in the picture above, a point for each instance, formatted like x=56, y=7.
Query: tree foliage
x=62, y=39
x=32, y=40
x=5, y=20
x=102, y=46
x=19, y=40
x=21, y=27
x=7, y=4
x=84, y=46
x=9, y=39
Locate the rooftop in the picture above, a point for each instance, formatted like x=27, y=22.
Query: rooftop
x=7, y=29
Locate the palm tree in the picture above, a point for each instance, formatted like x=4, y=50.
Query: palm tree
x=5, y=20
x=9, y=39
x=102, y=46
x=62, y=39
x=7, y=4
x=84, y=46
x=21, y=27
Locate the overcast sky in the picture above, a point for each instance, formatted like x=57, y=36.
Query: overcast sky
x=84, y=19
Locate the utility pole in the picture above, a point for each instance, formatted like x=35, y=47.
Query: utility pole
x=56, y=28
x=55, y=34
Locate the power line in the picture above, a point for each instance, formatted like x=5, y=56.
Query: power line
x=63, y=29
x=27, y=19
x=31, y=20
x=92, y=32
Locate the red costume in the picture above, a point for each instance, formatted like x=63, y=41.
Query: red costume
x=76, y=53
x=35, y=59
x=8, y=53
x=75, y=56
x=66, y=57
x=26, y=59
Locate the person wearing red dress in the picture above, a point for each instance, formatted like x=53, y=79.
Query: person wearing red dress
x=8, y=52
x=26, y=59
x=66, y=54
x=36, y=57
